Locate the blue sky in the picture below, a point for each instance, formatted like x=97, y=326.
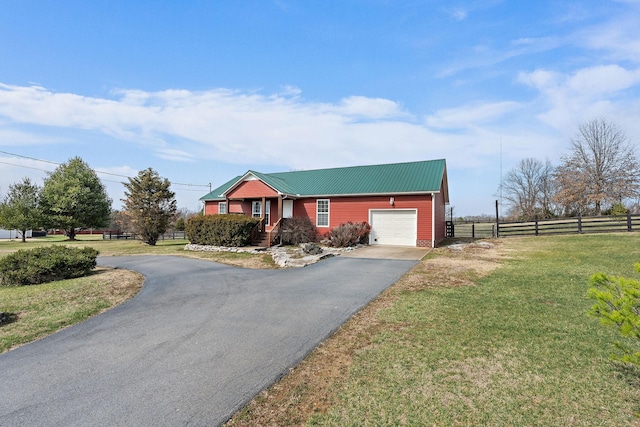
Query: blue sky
x=202, y=91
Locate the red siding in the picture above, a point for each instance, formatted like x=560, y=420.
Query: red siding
x=252, y=189
x=356, y=209
x=344, y=209
x=233, y=206
x=239, y=207
x=441, y=216
x=210, y=208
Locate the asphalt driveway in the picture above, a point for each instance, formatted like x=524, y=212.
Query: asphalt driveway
x=198, y=342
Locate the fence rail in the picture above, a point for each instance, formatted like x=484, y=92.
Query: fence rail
x=471, y=229
x=599, y=224
x=117, y=235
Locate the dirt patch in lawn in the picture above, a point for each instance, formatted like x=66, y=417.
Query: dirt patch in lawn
x=312, y=386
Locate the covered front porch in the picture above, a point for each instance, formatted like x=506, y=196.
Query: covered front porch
x=270, y=211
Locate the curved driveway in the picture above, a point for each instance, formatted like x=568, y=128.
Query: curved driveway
x=195, y=345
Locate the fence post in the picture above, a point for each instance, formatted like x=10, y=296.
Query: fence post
x=497, y=221
x=580, y=223
x=629, y=221
x=473, y=230
x=536, y=226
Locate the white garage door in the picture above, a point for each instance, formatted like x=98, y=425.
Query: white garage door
x=394, y=227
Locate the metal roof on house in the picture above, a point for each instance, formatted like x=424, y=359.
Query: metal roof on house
x=396, y=178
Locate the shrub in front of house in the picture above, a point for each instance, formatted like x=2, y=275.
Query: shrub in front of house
x=350, y=234
x=221, y=230
x=46, y=264
x=296, y=230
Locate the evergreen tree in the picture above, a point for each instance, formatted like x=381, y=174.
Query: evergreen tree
x=150, y=204
x=74, y=197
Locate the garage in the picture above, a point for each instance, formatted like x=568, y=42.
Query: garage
x=394, y=227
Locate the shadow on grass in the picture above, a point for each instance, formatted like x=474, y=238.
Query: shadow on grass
x=7, y=318
x=630, y=373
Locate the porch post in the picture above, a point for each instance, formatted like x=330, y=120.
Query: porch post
x=264, y=207
x=279, y=207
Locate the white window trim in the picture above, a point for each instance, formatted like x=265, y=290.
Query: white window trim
x=222, y=208
x=267, y=211
x=253, y=209
x=328, y=213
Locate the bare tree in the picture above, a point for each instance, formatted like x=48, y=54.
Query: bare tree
x=529, y=189
x=600, y=171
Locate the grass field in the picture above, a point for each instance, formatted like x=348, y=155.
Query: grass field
x=106, y=247
x=458, y=346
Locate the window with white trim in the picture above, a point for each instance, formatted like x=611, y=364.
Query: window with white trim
x=322, y=213
x=256, y=209
x=222, y=207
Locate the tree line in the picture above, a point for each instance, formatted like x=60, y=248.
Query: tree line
x=73, y=198
x=599, y=176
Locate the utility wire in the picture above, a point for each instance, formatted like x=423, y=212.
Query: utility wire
x=95, y=170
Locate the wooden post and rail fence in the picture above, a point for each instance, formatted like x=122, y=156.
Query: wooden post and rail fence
x=543, y=227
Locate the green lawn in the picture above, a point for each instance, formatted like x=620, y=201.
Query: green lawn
x=106, y=247
x=136, y=247
x=515, y=350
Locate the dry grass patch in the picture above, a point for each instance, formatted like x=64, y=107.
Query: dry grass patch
x=237, y=259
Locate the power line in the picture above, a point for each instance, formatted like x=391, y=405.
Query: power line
x=95, y=170
x=22, y=166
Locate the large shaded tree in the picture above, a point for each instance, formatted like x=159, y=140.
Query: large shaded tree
x=150, y=204
x=528, y=188
x=601, y=170
x=73, y=197
x=20, y=208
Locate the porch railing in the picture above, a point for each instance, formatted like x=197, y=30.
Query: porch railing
x=273, y=233
x=257, y=231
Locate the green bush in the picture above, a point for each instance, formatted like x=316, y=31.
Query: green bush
x=618, y=305
x=294, y=231
x=46, y=264
x=221, y=230
x=350, y=234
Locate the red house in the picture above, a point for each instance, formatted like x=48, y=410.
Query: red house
x=403, y=202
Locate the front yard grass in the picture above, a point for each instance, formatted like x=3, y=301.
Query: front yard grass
x=458, y=341
x=135, y=247
x=39, y=310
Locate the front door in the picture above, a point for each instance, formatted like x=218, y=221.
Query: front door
x=287, y=208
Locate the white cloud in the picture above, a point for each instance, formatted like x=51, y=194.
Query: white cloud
x=617, y=39
x=566, y=99
x=226, y=125
x=471, y=115
x=369, y=108
x=602, y=80
x=175, y=155
x=459, y=14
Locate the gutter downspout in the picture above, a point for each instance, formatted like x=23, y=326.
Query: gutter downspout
x=433, y=220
